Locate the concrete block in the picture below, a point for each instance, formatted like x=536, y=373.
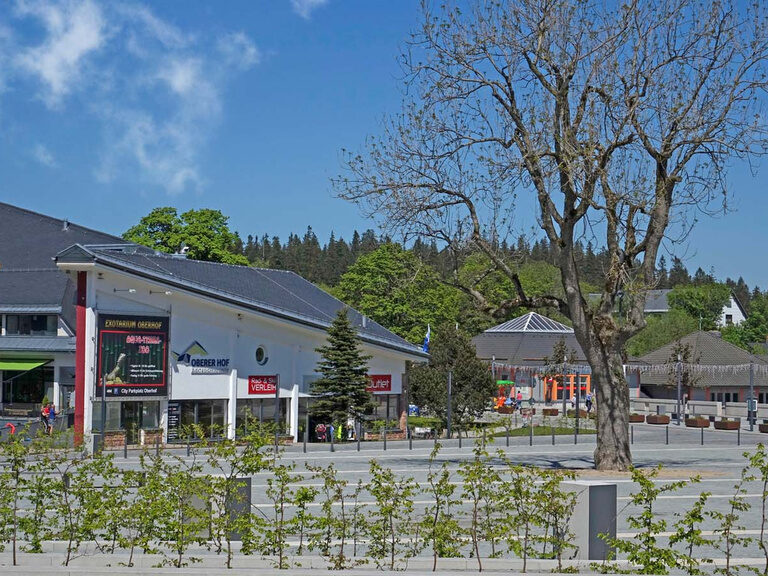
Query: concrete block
x=594, y=514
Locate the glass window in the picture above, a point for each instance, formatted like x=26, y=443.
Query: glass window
x=31, y=324
x=149, y=415
x=27, y=387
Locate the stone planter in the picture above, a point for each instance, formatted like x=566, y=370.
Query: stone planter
x=657, y=419
x=697, y=422
x=505, y=410
x=572, y=414
x=763, y=428
x=550, y=411
x=636, y=418
x=150, y=437
x=114, y=439
x=727, y=425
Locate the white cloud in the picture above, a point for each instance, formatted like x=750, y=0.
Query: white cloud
x=44, y=156
x=74, y=31
x=239, y=51
x=304, y=8
x=155, y=89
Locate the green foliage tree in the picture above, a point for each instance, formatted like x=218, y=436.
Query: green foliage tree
x=205, y=232
x=754, y=329
x=702, y=302
x=472, y=381
x=661, y=329
x=729, y=535
x=396, y=289
x=688, y=533
x=478, y=477
x=13, y=484
x=340, y=392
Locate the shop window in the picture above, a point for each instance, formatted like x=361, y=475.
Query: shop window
x=27, y=387
x=762, y=397
x=208, y=415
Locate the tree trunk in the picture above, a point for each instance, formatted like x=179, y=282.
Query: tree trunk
x=613, y=449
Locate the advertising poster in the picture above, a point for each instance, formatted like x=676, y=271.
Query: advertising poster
x=133, y=355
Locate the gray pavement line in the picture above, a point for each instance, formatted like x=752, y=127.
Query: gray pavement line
x=703, y=533
x=696, y=496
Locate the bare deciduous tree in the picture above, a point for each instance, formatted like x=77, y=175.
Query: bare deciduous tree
x=614, y=119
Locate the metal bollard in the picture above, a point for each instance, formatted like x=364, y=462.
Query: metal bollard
x=125, y=447
x=410, y=438
x=359, y=434
x=667, y=435
x=738, y=436
x=575, y=436
x=157, y=445
x=485, y=442
x=459, y=438
x=306, y=437
x=702, y=436
x=507, y=436
x=553, y=435
x=434, y=437
x=333, y=442
x=189, y=449
x=530, y=434
x=631, y=434
x=384, y=435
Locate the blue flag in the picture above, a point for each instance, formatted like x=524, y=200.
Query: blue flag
x=425, y=347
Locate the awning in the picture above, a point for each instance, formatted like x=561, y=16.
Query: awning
x=21, y=365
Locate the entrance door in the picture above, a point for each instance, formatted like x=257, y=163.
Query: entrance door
x=130, y=420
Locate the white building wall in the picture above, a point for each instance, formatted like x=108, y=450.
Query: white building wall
x=226, y=333
x=733, y=310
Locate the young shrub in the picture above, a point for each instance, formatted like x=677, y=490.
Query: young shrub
x=332, y=525
x=275, y=532
x=13, y=485
x=478, y=477
x=390, y=521
x=554, y=507
x=759, y=461
x=184, y=517
x=439, y=527
x=728, y=536
x=231, y=461
x=303, y=496
x=644, y=551
x=522, y=514
x=688, y=533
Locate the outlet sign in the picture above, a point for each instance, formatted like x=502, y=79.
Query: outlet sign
x=379, y=383
x=262, y=385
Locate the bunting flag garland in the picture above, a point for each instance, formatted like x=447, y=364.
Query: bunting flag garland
x=713, y=370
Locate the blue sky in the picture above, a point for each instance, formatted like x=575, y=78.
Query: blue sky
x=109, y=109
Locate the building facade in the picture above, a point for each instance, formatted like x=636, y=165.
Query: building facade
x=181, y=342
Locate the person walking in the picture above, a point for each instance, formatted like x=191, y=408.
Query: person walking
x=51, y=417
x=44, y=412
x=588, y=402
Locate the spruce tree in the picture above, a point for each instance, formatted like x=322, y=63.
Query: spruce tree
x=340, y=391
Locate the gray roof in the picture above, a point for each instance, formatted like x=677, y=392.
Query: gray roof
x=275, y=292
x=30, y=282
x=707, y=349
x=37, y=343
x=656, y=301
x=532, y=323
x=526, y=341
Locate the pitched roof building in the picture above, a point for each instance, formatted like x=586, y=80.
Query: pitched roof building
x=723, y=369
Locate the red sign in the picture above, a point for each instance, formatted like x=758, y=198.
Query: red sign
x=262, y=385
x=379, y=383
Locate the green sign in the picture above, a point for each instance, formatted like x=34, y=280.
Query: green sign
x=505, y=382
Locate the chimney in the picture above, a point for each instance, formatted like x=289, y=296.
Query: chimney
x=365, y=321
x=64, y=225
